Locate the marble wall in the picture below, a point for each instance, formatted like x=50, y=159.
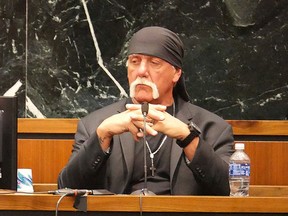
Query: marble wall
x=66, y=58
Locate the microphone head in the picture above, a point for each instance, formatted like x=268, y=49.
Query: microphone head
x=145, y=108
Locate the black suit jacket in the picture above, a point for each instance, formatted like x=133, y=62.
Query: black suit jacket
x=207, y=174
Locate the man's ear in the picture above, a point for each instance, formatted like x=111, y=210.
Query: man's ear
x=177, y=75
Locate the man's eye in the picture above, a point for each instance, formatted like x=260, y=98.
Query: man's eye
x=135, y=61
x=155, y=64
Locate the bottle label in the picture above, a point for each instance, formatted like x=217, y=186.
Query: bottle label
x=239, y=169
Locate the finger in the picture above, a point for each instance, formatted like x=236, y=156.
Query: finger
x=133, y=106
x=156, y=115
x=153, y=115
x=141, y=118
x=158, y=107
x=155, y=112
x=148, y=128
x=140, y=134
x=151, y=106
x=134, y=131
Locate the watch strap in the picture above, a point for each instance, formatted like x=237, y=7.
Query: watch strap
x=183, y=143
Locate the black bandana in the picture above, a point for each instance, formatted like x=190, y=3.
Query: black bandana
x=162, y=43
x=158, y=42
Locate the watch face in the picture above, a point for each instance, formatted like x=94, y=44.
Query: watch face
x=193, y=126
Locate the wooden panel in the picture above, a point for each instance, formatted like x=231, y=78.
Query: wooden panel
x=240, y=127
x=259, y=127
x=268, y=191
x=269, y=162
x=40, y=187
x=29, y=125
x=45, y=157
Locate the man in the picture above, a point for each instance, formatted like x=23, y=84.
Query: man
x=188, y=148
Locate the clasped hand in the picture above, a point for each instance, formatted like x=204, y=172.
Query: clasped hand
x=132, y=120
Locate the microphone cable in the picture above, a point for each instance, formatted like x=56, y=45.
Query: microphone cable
x=59, y=201
x=68, y=192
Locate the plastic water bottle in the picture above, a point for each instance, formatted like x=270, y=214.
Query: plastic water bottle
x=239, y=172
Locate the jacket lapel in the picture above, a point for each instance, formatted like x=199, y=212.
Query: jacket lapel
x=127, y=144
x=123, y=149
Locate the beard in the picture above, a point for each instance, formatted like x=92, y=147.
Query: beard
x=139, y=80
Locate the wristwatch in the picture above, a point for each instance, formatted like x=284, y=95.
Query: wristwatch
x=194, y=132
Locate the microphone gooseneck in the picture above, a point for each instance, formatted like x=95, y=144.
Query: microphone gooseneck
x=145, y=109
x=144, y=191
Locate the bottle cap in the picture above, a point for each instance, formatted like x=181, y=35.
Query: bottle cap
x=239, y=146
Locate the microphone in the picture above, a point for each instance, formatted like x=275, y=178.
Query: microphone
x=145, y=108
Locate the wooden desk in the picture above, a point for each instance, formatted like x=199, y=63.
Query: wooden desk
x=45, y=145
x=45, y=204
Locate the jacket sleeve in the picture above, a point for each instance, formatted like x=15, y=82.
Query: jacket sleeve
x=210, y=163
x=86, y=164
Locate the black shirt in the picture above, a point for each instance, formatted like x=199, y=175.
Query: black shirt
x=160, y=182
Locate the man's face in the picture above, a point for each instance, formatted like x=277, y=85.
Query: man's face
x=147, y=71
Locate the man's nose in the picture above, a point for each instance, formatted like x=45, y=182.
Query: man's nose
x=143, y=69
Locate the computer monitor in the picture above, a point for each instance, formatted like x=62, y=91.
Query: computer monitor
x=8, y=142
